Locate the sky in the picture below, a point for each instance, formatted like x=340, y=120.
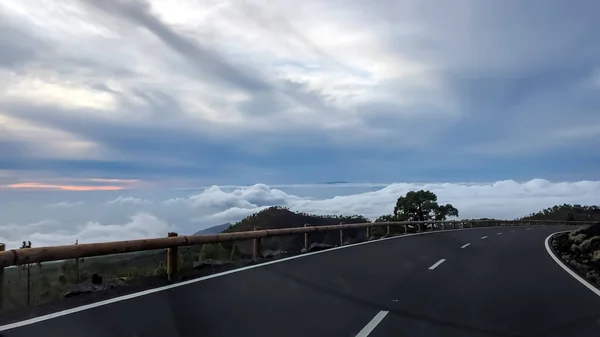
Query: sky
x=129, y=118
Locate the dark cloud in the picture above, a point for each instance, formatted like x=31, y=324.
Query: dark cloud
x=203, y=58
x=18, y=46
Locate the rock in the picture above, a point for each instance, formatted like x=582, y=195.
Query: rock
x=87, y=287
x=209, y=263
x=82, y=288
x=119, y=282
x=96, y=279
x=319, y=246
x=577, y=238
x=273, y=253
x=596, y=256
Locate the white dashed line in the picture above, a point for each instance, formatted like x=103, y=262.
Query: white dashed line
x=513, y=230
x=527, y=229
x=483, y=237
x=372, y=324
x=437, y=264
x=465, y=245
x=499, y=233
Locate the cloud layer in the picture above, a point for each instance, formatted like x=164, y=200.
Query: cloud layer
x=235, y=92
x=216, y=205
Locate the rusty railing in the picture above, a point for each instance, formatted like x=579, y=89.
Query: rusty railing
x=15, y=257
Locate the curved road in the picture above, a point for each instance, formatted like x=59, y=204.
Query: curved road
x=473, y=282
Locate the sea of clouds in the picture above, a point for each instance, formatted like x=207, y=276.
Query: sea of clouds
x=89, y=218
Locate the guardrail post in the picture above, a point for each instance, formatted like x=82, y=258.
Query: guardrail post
x=341, y=236
x=368, y=232
x=305, y=239
x=256, y=246
x=2, y=248
x=171, y=258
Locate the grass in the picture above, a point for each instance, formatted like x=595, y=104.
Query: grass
x=49, y=281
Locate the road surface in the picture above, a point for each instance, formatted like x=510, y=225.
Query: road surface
x=497, y=281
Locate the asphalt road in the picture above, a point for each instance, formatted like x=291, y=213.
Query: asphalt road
x=423, y=285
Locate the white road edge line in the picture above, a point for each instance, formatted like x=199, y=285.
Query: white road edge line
x=567, y=269
x=437, y=264
x=483, y=237
x=200, y=279
x=465, y=245
x=372, y=324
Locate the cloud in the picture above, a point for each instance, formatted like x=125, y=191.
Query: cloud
x=52, y=233
x=502, y=199
x=66, y=204
x=94, y=221
x=128, y=200
x=206, y=88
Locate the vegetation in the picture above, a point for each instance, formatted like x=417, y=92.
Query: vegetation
x=419, y=206
x=281, y=217
x=566, y=212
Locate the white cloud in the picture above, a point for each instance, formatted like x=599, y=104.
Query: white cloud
x=244, y=198
x=219, y=204
x=503, y=199
x=128, y=200
x=66, y=204
x=51, y=233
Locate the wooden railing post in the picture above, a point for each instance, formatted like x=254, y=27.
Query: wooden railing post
x=2, y=248
x=171, y=258
x=387, y=230
x=256, y=251
x=368, y=231
x=305, y=239
x=341, y=235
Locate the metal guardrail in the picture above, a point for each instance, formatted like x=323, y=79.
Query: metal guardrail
x=16, y=257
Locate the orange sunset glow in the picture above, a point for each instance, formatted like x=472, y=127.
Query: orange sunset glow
x=64, y=187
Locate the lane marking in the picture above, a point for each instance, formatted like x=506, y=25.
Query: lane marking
x=483, y=237
x=499, y=233
x=204, y=278
x=372, y=324
x=513, y=230
x=527, y=229
x=437, y=264
x=465, y=245
x=567, y=269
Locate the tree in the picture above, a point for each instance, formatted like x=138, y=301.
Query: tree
x=422, y=206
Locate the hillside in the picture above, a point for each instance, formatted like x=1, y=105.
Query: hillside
x=566, y=212
x=213, y=230
x=279, y=217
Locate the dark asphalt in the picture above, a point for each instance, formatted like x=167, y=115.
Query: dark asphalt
x=505, y=285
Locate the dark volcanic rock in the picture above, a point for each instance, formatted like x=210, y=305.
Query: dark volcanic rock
x=273, y=253
x=88, y=287
x=319, y=246
x=580, y=250
x=210, y=264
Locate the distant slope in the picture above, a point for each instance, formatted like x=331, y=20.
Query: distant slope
x=213, y=230
x=566, y=212
x=279, y=217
